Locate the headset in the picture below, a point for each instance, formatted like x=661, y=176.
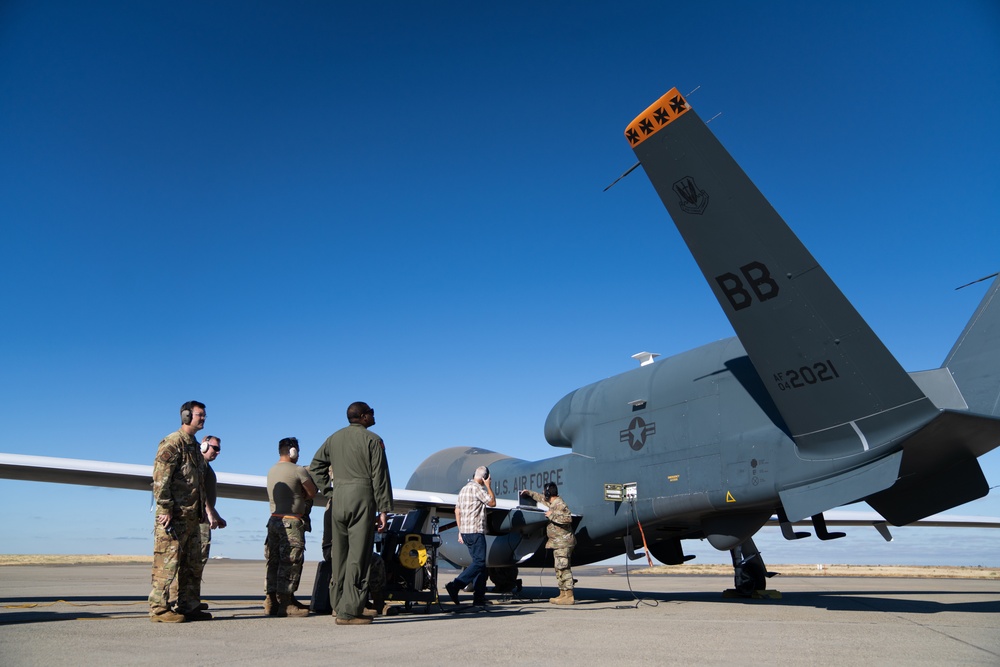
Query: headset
x=293, y=447
x=205, y=444
x=187, y=412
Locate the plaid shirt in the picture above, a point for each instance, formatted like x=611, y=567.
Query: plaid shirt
x=471, y=506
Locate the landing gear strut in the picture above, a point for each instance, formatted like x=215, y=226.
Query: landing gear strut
x=751, y=573
x=504, y=579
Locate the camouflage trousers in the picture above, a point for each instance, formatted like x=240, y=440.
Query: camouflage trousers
x=564, y=575
x=176, y=560
x=199, y=564
x=285, y=552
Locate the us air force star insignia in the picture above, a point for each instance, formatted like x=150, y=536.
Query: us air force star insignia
x=692, y=199
x=637, y=432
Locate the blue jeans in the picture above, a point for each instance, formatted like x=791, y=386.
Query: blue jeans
x=476, y=572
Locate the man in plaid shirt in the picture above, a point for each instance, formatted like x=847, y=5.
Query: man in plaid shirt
x=470, y=515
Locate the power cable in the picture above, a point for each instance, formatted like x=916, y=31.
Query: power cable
x=638, y=601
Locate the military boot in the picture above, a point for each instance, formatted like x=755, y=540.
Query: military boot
x=287, y=609
x=566, y=597
x=558, y=597
x=296, y=603
x=167, y=616
x=271, y=605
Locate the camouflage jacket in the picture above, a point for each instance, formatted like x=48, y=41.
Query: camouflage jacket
x=178, y=477
x=560, y=529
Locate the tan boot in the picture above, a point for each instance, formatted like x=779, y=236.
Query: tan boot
x=556, y=599
x=287, y=609
x=360, y=620
x=271, y=605
x=296, y=603
x=167, y=616
x=565, y=598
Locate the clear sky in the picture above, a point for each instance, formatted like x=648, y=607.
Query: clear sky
x=281, y=208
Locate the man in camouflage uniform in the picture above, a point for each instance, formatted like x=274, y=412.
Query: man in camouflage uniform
x=561, y=539
x=211, y=445
x=179, y=494
x=291, y=490
x=353, y=459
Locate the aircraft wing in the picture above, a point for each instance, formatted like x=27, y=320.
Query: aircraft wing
x=863, y=518
x=822, y=522
x=140, y=478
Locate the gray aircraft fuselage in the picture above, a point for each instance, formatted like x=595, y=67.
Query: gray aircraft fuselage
x=696, y=433
x=804, y=411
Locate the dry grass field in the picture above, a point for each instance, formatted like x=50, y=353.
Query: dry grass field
x=832, y=570
x=18, y=559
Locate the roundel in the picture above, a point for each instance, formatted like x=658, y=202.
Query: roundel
x=637, y=433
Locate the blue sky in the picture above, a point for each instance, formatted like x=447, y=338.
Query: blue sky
x=280, y=208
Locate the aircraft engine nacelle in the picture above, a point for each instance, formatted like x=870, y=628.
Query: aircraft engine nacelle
x=506, y=550
x=448, y=471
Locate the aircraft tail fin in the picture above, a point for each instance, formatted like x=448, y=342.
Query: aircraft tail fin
x=833, y=381
x=974, y=360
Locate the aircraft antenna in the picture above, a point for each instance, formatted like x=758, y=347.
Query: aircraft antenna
x=632, y=168
x=645, y=358
x=629, y=171
x=992, y=275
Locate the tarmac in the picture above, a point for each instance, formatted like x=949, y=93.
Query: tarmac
x=97, y=614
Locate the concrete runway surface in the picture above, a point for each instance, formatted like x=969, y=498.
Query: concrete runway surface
x=97, y=614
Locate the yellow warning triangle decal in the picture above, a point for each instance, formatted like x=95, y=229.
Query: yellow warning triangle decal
x=729, y=498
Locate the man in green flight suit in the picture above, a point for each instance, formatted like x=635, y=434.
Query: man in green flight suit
x=353, y=460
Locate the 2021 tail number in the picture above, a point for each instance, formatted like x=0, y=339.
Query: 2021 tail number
x=822, y=371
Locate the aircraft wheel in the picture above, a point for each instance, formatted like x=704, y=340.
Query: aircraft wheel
x=751, y=576
x=504, y=578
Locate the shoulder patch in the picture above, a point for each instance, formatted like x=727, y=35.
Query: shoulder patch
x=168, y=450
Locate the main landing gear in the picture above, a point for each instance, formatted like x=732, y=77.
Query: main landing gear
x=751, y=574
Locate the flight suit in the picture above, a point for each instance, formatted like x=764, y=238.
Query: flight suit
x=353, y=460
x=178, y=490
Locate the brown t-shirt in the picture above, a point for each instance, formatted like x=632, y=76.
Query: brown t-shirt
x=284, y=488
